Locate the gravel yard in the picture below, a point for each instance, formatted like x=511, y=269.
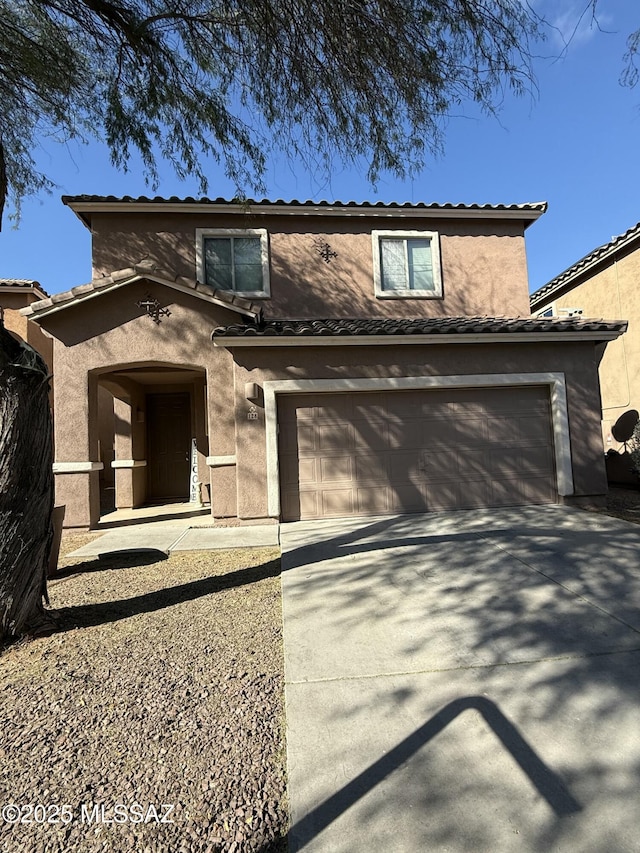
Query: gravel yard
x=163, y=687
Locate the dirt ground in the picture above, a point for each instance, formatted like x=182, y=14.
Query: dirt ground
x=161, y=692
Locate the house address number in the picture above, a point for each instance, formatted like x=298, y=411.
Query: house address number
x=252, y=414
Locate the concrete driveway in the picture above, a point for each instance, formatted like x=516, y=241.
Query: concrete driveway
x=463, y=682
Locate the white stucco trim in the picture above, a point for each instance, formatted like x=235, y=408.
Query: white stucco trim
x=554, y=381
x=129, y=463
x=76, y=467
x=410, y=340
x=220, y=461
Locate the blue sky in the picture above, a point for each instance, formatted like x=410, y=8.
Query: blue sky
x=574, y=145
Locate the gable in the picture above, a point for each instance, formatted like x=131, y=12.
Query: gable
x=142, y=272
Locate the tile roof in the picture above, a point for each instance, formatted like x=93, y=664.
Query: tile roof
x=85, y=206
x=148, y=271
x=622, y=241
x=428, y=326
x=23, y=284
x=101, y=199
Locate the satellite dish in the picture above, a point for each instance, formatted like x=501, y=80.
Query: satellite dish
x=623, y=428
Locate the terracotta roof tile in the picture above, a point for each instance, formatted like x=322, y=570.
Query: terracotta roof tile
x=102, y=199
x=23, y=284
x=144, y=270
x=427, y=326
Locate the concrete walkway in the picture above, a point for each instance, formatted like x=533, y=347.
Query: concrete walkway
x=172, y=528
x=463, y=682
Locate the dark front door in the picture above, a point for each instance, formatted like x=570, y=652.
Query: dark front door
x=168, y=446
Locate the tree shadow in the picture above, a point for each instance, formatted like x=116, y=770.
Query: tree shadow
x=88, y=615
x=114, y=560
x=548, y=784
x=539, y=604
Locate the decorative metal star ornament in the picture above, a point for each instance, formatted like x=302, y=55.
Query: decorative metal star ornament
x=153, y=309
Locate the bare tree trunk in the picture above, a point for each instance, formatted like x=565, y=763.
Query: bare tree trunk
x=26, y=487
x=4, y=187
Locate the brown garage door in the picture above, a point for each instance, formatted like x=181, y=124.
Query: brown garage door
x=414, y=451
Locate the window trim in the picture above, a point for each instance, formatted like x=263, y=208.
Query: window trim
x=433, y=237
x=202, y=233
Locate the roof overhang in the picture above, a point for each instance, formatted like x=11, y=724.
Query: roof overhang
x=85, y=206
x=37, y=311
x=413, y=340
x=32, y=288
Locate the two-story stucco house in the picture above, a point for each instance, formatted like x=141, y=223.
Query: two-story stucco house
x=322, y=359
x=605, y=283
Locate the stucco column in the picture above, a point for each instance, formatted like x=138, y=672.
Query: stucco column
x=77, y=466
x=130, y=463
x=222, y=445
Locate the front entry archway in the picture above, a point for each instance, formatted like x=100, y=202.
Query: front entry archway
x=157, y=416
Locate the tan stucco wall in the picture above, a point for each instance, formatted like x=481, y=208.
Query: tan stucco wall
x=483, y=263
x=95, y=337
x=577, y=361
x=613, y=293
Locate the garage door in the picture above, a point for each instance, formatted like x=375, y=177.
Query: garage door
x=414, y=451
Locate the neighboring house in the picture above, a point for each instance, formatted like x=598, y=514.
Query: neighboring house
x=18, y=293
x=605, y=283
x=323, y=359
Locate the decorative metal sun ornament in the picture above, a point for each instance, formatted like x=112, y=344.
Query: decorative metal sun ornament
x=153, y=309
x=326, y=252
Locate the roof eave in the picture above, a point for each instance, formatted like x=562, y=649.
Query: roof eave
x=529, y=214
x=415, y=340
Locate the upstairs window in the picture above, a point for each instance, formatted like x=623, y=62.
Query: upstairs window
x=236, y=260
x=406, y=264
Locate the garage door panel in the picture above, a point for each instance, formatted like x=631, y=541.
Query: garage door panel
x=371, y=500
x=305, y=438
x=440, y=497
x=334, y=468
x=372, y=410
x=371, y=467
x=293, y=471
x=468, y=432
x=442, y=465
x=475, y=464
x=520, y=463
x=334, y=437
x=532, y=430
x=508, y=492
x=370, y=436
x=335, y=408
x=406, y=435
x=309, y=504
x=405, y=467
x=471, y=495
x=408, y=498
x=416, y=451
x=337, y=502
x=438, y=431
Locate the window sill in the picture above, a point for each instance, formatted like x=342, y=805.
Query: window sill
x=245, y=294
x=408, y=294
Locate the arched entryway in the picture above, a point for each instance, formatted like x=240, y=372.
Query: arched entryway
x=151, y=425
